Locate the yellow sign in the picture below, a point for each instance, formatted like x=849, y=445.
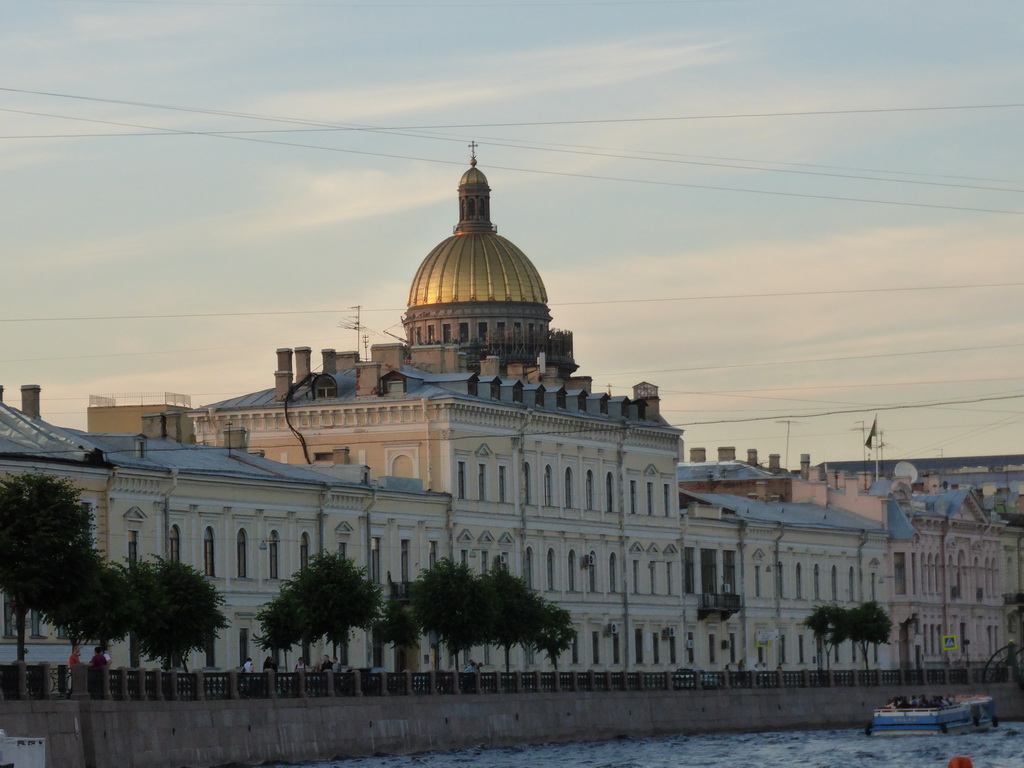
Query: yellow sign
x=949, y=643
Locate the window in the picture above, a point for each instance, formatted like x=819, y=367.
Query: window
x=636, y=576
x=688, y=586
x=547, y=485
x=729, y=585
x=899, y=571
x=650, y=499
x=592, y=572
x=526, y=484
x=615, y=650
x=613, y=574
x=461, y=480
x=632, y=497
x=849, y=586
x=481, y=481
x=502, y=493
x=274, y=556
x=835, y=584
x=551, y=569
x=572, y=571
x=798, y=573
x=174, y=545
x=609, y=492
x=242, y=555
x=780, y=582
x=403, y=546
x=757, y=581
x=133, y=546
x=432, y=555
x=668, y=578
x=667, y=493
x=568, y=487
x=655, y=648
x=711, y=648
x=375, y=560
x=638, y=635
x=672, y=650
x=595, y=647
x=528, y=568
x=208, y=562
x=303, y=551
x=589, y=489
x=652, y=570
x=708, y=570
x=817, y=582
x=689, y=648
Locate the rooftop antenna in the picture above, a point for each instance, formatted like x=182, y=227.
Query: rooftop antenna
x=366, y=346
x=354, y=323
x=789, y=423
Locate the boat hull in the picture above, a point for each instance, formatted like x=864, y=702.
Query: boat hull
x=967, y=714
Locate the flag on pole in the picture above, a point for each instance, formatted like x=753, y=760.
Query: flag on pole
x=872, y=434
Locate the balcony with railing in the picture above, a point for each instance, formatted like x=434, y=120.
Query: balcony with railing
x=717, y=603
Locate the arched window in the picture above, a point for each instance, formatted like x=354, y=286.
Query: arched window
x=613, y=574
x=568, y=487
x=547, y=485
x=609, y=492
x=835, y=583
x=274, y=554
x=528, y=568
x=242, y=554
x=303, y=551
x=571, y=581
x=174, y=545
x=590, y=489
x=817, y=583
x=799, y=575
x=592, y=572
x=551, y=570
x=526, y=484
x=208, y=561
x=849, y=588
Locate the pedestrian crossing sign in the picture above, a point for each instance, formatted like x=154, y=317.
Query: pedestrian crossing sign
x=949, y=643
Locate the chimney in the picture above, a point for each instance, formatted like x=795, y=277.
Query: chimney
x=727, y=453
x=341, y=454
x=282, y=382
x=284, y=359
x=698, y=454
x=390, y=356
x=774, y=463
x=236, y=438
x=489, y=366
x=805, y=466
x=752, y=456
x=426, y=357
x=303, y=362
x=330, y=360
x=761, y=489
x=1, y=393
x=367, y=379
x=154, y=425
x=346, y=361
x=30, y=400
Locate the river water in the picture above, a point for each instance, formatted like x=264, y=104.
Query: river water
x=1002, y=747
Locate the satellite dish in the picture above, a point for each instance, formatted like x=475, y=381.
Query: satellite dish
x=907, y=470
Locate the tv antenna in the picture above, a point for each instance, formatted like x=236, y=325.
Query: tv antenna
x=354, y=324
x=789, y=423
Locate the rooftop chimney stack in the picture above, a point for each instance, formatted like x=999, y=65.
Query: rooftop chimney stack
x=284, y=359
x=282, y=383
x=303, y=363
x=698, y=455
x=727, y=453
x=752, y=456
x=30, y=400
x=330, y=360
x=805, y=466
x=774, y=463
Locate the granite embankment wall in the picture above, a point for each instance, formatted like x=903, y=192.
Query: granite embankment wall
x=200, y=734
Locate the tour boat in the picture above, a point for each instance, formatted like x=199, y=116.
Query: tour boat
x=956, y=714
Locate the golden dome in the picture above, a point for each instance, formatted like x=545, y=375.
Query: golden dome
x=476, y=266
x=473, y=176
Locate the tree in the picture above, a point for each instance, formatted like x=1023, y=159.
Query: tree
x=396, y=625
x=459, y=607
x=101, y=607
x=828, y=623
x=556, y=633
x=520, y=611
x=280, y=622
x=868, y=624
x=45, y=545
x=179, y=609
x=333, y=597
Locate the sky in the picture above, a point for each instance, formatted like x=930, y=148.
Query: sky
x=793, y=216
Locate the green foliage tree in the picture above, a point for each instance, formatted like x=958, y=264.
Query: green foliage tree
x=868, y=624
x=828, y=624
x=45, y=545
x=100, y=608
x=396, y=625
x=453, y=603
x=333, y=597
x=556, y=633
x=280, y=622
x=520, y=611
x=179, y=609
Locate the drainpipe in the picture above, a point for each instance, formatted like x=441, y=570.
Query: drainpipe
x=778, y=584
x=368, y=535
x=741, y=548
x=620, y=460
